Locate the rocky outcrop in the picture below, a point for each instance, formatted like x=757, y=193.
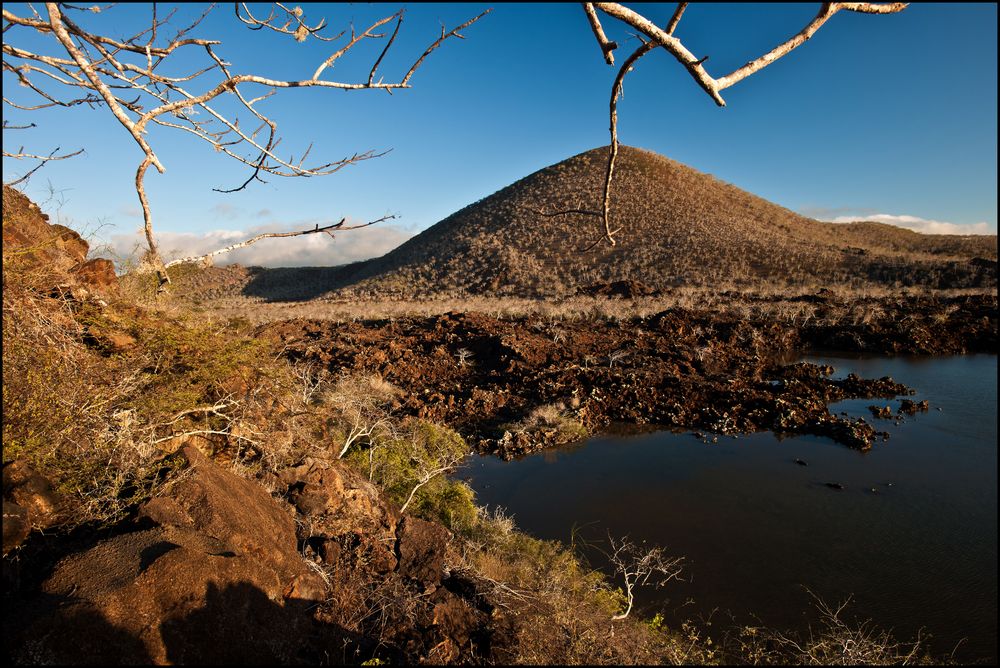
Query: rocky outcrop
x=97, y=274
x=27, y=230
x=28, y=503
x=215, y=576
x=421, y=550
x=337, y=499
x=216, y=570
x=57, y=254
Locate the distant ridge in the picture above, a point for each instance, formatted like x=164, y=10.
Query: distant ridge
x=682, y=227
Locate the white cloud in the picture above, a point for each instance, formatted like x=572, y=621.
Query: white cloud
x=918, y=224
x=226, y=210
x=829, y=213
x=316, y=250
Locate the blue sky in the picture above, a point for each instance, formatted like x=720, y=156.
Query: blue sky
x=891, y=118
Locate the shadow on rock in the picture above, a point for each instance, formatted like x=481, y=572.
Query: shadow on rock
x=85, y=636
x=240, y=624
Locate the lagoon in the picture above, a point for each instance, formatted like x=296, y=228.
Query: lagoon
x=911, y=536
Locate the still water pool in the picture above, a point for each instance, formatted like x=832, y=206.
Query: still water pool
x=912, y=536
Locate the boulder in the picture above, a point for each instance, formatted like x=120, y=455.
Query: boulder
x=337, y=499
x=237, y=512
x=421, y=550
x=214, y=577
x=97, y=274
x=28, y=489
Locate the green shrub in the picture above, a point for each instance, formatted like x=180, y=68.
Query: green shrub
x=417, y=454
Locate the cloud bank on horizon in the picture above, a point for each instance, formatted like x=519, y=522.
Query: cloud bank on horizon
x=915, y=223
x=305, y=251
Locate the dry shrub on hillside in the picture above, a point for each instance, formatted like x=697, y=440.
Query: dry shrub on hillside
x=97, y=395
x=561, y=611
x=62, y=403
x=681, y=227
x=361, y=404
x=832, y=641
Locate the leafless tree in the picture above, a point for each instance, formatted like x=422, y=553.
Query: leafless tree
x=463, y=355
x=652, y=37
x=137, y=80
x=428, y=465
x=839, y=643
x=639, y=566
x=362, y=403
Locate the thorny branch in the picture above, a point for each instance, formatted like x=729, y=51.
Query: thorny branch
x=292, y=16
x=664, y=37
x=640, y=566
x=42, y=160
x=128, y=77
x=327, y=229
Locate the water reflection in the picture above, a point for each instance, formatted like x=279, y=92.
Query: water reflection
x=909, y=528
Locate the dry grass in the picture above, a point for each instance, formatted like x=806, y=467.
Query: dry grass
x=843, y=304
x=681, y=228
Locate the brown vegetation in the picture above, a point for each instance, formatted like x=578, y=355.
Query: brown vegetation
x=681, y=228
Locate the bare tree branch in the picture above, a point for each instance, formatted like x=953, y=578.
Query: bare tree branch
x=676, y=18
x=695, y=66
x=276, y=235
x=607, y=46
x=55, y=19
x=616, y=92
x=43, y=159
x=125, y=75
x=294, y=15
x=440, y=40
x=640, y=566
x=425, y=478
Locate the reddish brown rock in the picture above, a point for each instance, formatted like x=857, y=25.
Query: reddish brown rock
x=421, y=550
x=373, y=552
x=338, y=500
x=238, y=512
x=70, y=242
x=97, y=274
x=41, y=244
x=218, y=580
x=456, y=619
x=911, y=407
x=24, y=486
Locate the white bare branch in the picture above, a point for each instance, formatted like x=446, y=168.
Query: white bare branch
x=301, y=31
x=42, y=159
x=425, y=478
x=126, y=76
x=326, y=229
x=640, y=566
x=664, y=38
x=607, y=46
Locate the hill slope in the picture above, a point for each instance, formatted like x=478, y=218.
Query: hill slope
x=681, y=227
